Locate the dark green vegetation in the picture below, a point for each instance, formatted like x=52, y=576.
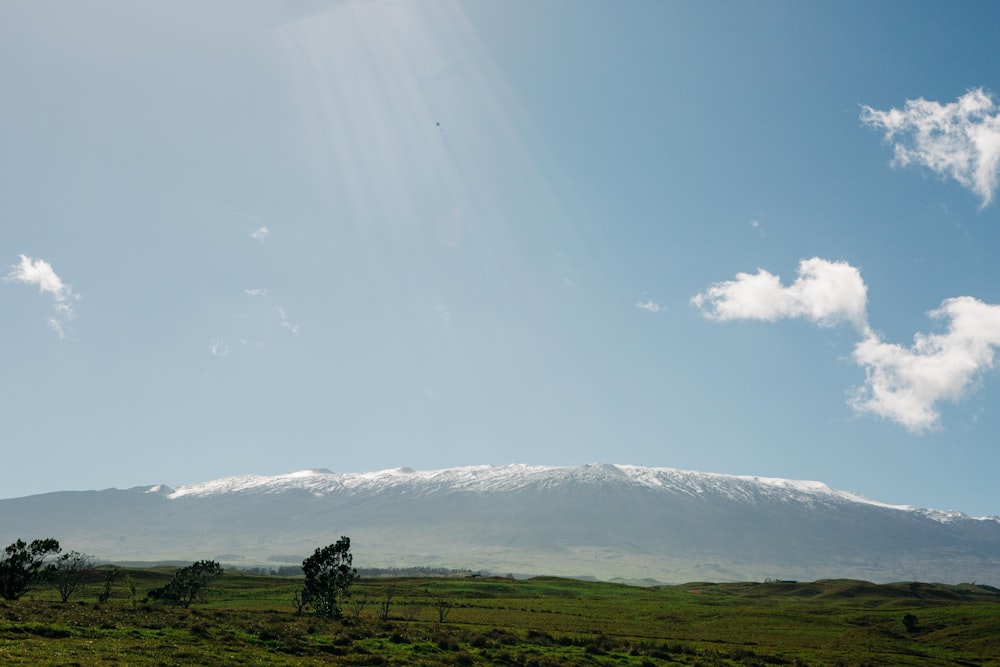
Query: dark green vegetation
x=328, y=576
x=250, y=620
x=22, y=564
x=187, y=584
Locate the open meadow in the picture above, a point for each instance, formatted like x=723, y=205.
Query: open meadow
x=248, y=619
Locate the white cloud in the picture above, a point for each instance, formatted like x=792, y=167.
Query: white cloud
x=903, y=384
x=39, y=272
x=294, y=328
x=650, y=305
x=218, y=347
x=825, y=292
x=255, y=292
x=260, y=233
x=906, y=384
x=960, y=139
x=56, y=326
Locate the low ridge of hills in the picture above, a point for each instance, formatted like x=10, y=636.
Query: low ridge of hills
x=602, y=521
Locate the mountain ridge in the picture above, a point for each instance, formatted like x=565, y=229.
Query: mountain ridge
x=598, y=520
x=469, y=476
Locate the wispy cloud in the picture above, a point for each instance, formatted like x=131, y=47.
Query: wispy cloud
x=294, y=328
x=650, y=305
x=903, y=384
x=39, y=272
x=260, y=234
x=218, y=347
x=960, y=139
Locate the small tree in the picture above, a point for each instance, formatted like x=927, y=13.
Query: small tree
x=133, y=598
x=301, y=601
x=187, y=583
x=109, y=579
x=386, y=604
x=25, y=564
x=68, y=571
x=329, y=575
x=443, y=607
x=410, y=613
x=357, y=606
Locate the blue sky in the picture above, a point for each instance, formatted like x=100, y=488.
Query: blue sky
x=253, y=237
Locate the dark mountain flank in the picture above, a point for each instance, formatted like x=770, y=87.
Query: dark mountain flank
x=603, y=521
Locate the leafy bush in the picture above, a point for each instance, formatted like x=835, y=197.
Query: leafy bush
x=25, y=564
x=187, y=583
x=329, y=575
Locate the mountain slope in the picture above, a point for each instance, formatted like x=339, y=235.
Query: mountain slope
x=598, y=520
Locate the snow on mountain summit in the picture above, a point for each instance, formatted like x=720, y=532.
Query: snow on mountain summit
x=599, y=520
x=514, y=477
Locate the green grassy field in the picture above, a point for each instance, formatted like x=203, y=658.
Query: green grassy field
x=250, y=620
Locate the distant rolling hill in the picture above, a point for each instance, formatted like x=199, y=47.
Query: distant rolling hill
x=602, y=521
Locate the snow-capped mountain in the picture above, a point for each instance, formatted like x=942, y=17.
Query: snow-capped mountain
x=606, y=521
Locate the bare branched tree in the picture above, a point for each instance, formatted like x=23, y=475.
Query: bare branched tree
x=443, y=607
x=410, y=613
x=68, y=572
x=357, y=605
x=386, y=604
x=300, y=600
